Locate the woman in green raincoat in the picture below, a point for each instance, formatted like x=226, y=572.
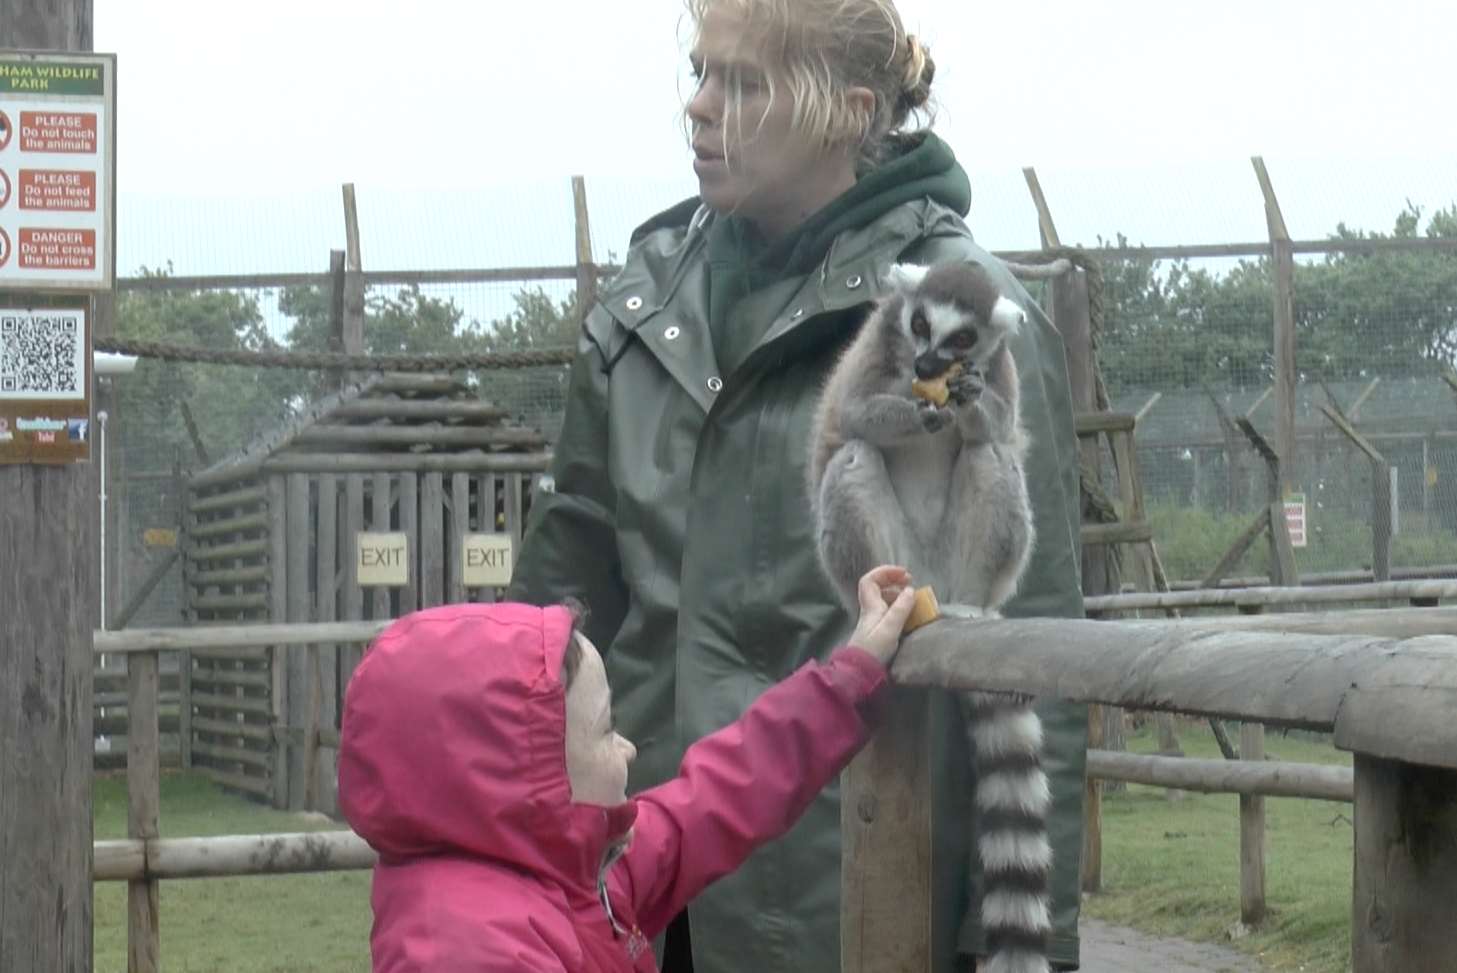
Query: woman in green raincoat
x=676, y=506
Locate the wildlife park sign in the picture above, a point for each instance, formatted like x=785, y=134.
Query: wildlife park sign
x=57, y=171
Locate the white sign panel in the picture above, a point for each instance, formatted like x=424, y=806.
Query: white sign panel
x=382, y=559
x=57, y=170
x=1295, y=520
x=485, y=560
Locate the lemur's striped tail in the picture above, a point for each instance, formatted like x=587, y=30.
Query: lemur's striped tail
x=1012, y=798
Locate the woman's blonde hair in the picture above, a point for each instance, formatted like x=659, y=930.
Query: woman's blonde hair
x=819, y=49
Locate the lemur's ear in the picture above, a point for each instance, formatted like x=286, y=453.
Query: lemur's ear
x=1008, y=315
x=906, y=277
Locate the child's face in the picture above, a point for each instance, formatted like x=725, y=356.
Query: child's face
x=597, y=755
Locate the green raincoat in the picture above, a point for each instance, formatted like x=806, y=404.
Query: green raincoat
x=676, y=509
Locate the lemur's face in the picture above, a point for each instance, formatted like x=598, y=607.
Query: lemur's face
x=952, y=313
x=942, y=334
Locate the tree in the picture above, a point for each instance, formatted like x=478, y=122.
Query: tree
x=1392, y=314
x=536, y=323
x=406, y=323
x=230, y=404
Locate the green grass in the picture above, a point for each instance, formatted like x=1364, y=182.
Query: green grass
x=256, y=924
x=1172, y=867
x=1169, y=868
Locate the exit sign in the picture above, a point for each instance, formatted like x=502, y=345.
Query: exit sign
x=382, y=559
x=486, y=560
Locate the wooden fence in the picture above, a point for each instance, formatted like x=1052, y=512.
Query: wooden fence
x=1381, y=684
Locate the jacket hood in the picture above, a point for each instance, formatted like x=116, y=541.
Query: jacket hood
x=454, y=743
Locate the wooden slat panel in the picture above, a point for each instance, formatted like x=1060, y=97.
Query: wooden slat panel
x=432, y=543
x=458, y=525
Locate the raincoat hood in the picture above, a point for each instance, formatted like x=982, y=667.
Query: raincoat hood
x=454, y=744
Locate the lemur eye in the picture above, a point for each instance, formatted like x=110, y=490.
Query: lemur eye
x=920, y=327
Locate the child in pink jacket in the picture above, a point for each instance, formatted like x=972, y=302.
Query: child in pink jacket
x=478, y=758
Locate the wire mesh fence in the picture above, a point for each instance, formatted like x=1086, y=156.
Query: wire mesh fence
x=1185, y=343
x=1187, y=346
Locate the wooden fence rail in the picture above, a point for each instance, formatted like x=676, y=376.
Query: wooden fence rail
x=1387, y=699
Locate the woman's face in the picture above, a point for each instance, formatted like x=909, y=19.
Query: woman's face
x=597, y=756
x=749, y=159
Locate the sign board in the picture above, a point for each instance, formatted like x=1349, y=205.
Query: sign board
x=57, y=171
x=159, y=537
x=381, y=559
x=1295, y=520
x=45, y=380
x=485, y=560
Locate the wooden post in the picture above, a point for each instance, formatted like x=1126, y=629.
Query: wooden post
x=1380, y=493
x=353, y=335
x=1282, y=266
x=1045, y=227
x=1405, y=879
x=49, y=586
x=1099, y=570
x=586, y=269
x=338, y=286
x=144, y=799
x=886, y=857
x=1251, y=834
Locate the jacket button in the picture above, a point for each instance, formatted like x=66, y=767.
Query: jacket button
x=715, y=384
x=634, y=302
x=672, y=332
x=854, y=281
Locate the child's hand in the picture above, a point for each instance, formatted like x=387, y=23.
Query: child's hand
x=885, y=604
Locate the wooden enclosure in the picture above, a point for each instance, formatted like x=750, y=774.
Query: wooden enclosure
x=270, y=535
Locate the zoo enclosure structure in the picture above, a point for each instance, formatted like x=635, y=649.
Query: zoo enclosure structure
x=270, y=536
x=1384, y=686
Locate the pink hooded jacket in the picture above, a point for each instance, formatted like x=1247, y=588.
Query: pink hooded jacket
x=452, y=765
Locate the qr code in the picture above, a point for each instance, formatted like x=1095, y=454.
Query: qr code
x=42, y=355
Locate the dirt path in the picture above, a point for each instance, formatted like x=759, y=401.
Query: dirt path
x=1117, y=949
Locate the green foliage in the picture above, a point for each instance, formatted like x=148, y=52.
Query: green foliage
x=405, y=323
x=1191, y=540
x=537, y=322
x=230, y=405
x=1392, y=314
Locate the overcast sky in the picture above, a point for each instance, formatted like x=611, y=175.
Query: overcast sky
x=460, y=122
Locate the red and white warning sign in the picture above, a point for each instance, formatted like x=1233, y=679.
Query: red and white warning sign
x=58, y=132
x=45, y=249
x=58, y=158
x=4, y=247
x=56, y=189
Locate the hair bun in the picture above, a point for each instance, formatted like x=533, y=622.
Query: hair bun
x=920, y=70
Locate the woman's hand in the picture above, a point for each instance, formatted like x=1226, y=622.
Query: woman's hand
x=886, y=598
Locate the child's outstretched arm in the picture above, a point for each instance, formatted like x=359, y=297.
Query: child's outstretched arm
x=749, y=782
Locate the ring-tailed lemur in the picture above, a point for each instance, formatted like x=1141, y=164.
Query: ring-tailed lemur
x=898, y=479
